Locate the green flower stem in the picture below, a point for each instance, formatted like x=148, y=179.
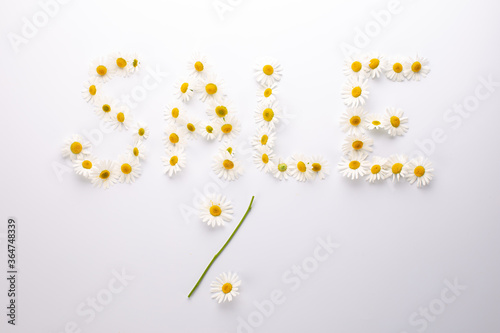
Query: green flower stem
x=222, y=249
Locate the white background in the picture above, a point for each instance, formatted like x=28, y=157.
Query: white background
x=398, y=243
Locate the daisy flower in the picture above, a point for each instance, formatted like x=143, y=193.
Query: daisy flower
x=378, y=170
x=395, y=165
x=373, y=121
x=355, y=67
x=175, y=136
x=91, y=90
x=225, y=287
x=193, y=127
x=135, y=63
x=226, y=166
x=76, y=147
x=122, y=119
x=104, y=174
x=416, y=68
x=354, y=165
x=184, y=89
x=264, y=137
x=355, y=92
x=209, y=131
x=129, y=169
x=105, y=107
x=141, y=131
x=353, y=120
x=174, y=113
x=360, y=143
x=220, y=109
x=229, y=127
x=280, y=169
x=211, y=88
x=394, y=122
x=120, y=63
x=197, y=65
x=263, y=157
x=394, y=70
x=102, y=68
x=268, y=114
x=267, y=92
x=268, y=71
x=419, y=170
x=83, y=165
x=175, y=161
x=320, y=167
x=216, y=210
x=375, y=64
x=300, y=168
x=138, y=149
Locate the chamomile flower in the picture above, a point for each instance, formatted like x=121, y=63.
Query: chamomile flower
x=320, y=167
x=268, y=114
x=416, y=68
x=264, y=137
x=354, y=165
x=226, y=166
x=355, y=67
x=175, y=136
x=104, y=174
x=105, y=107
x=121, y=119
x=220, y=109
x=92, y=90
x=225, y=287
x=138, y=150
x=355, y=92
x=84, y=165
x=353, y=120
x=374, y=121
x=129, y=169
x=395, y=164
x=360, y=143
x=394, y=69
x=263, y=158
x=184, y=89
x=209, y=131
x=174, y=161
x=76, y=147
x=229, y=127
x=300, y=168
x=211, y=88
x=378, y=170
x=267, y=92
x=192, y=127
x=141, y=131
x=216, y=210
x=102, y=68
x=120, y=64
x=419, y=170
x=375, y=64
x=280, y=169
x=268, y=71
x=198, y=65
x=395, y=122
x=175, y=113
x=135, y=63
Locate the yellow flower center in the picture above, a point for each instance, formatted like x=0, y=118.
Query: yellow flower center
x=120, y=117
x=221, y=111
x=416, y=67
x=226, y=128
x=135, y=63
x=228, y=165
x=268, y=114
x=104, y=174
x=175, y=112
x=357, y=145
x=87, y=164
x=268, y=70
x=265, y=158
x=419, y=171
x=227, y=287
x=106, y=108
x=355, y=120
x=354, y=165
x=376, y=122
x=126, y=168
x=174, y=138
x=76, y=147
x=101, y=70
x=215, y=210
x=184, y=87
x=211, y=88
x=396, y=168
x=375, y=169
x=316, y=167
x=395, y=121
x=356, y=92
x=190, y=127
x=282, y=167
x=135, y=151
x=174, y=160
x=374, y=63
x=198, y=66
x=397, y=67
x=209, y=129
x=356, y=66
x=120, y=62
x=301, y=166
x=92, y=90
x=268, y=92
x=141, y=131
x=230, y=150
x=263, y=139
